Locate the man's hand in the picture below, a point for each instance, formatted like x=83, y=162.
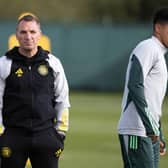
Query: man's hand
x=162, y=148
x=154, y=138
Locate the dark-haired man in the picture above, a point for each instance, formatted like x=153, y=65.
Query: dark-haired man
x=34, y=101
x=145, y=87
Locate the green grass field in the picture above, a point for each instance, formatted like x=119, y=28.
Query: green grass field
x=92, y=140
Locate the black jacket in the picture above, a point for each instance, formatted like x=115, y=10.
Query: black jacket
x=28, y=100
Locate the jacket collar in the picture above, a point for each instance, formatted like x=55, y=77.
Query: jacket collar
x=15, y=55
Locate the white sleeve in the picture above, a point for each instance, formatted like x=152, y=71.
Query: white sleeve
x=5, y=67
x=147, y=58
x=61, y=94
x=2, y=86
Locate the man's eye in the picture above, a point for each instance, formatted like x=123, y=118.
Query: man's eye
x=32, y=32
x=22, y=32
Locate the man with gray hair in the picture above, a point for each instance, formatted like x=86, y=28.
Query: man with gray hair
x=34, y=101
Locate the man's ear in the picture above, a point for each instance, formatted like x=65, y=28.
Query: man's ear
x=157, y=28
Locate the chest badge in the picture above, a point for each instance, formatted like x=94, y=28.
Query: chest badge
x=19, y=72
x=6, y=152
x=43, y=70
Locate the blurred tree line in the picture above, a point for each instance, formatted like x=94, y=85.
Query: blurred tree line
x=83, y=11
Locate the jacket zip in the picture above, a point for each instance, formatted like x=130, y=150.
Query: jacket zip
x=32, y=96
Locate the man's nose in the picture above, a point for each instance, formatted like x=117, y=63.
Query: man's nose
x=28, y=35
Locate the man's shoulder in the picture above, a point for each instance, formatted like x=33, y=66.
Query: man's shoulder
x=145, y=47
x=4, y=59
x=53, y=58
x=54, y=62
x=5, y=65
x=150, y=43
x=145, y=44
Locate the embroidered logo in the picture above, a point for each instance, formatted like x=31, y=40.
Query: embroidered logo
x=43, y=70
x=19, y=72
x=6, y=152
x=58, y=152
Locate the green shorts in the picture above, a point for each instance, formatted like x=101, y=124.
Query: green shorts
x=139, y=152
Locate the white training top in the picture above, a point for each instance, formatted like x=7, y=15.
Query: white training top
x=145, y=90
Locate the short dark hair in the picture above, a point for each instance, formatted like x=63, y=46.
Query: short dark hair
x=161, y=16
x=28, y=18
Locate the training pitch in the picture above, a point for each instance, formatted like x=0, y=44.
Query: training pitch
x=92, y=140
